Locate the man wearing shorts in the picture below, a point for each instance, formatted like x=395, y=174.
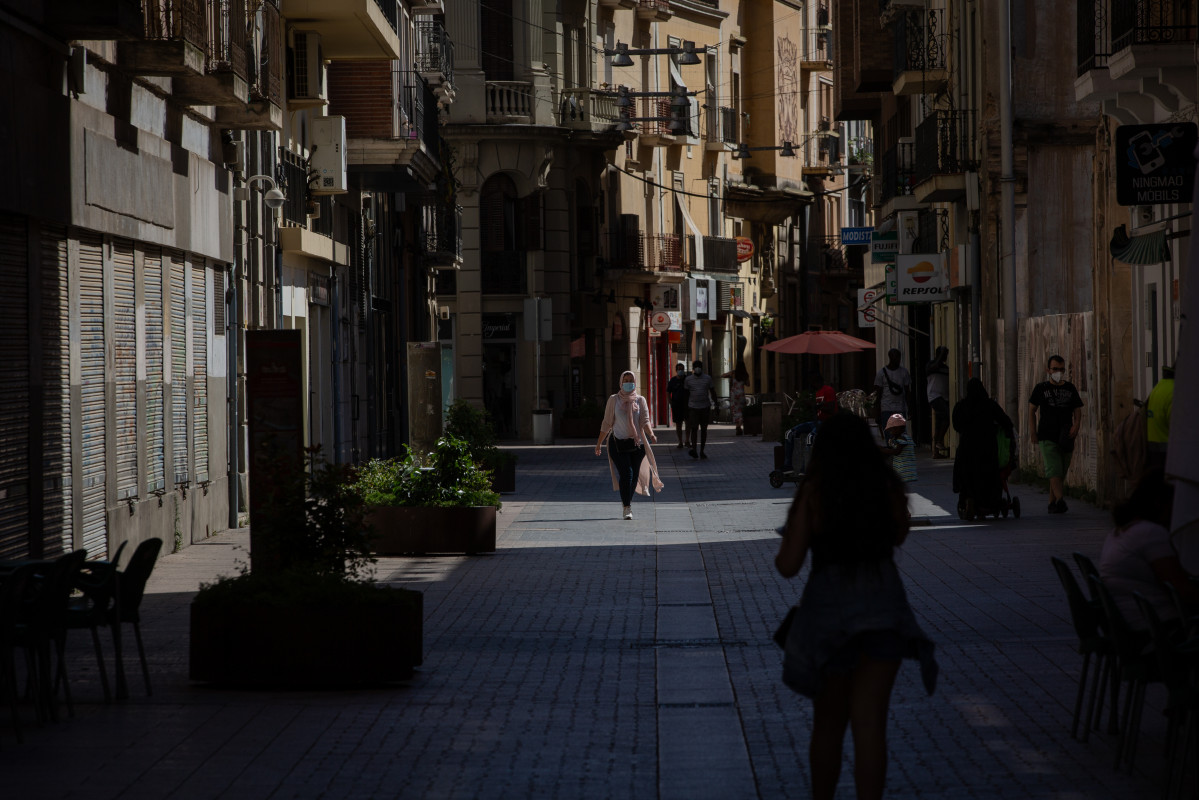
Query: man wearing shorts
x=701, y=396
x=1059, y=407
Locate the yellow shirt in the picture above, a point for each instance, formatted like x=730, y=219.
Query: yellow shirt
x=1157, y=411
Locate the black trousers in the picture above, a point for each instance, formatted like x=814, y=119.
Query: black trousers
x=628, y=465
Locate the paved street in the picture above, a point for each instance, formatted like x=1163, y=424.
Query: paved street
x=591, y=657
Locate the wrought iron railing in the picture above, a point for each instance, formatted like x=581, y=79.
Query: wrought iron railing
x=622, y=250
x=657, y=111
x=434, y=49
x=920, y=41
x=175, y=19
x=656, y=5
x=391, y=10
x=267, y=75
x=660, y=251
x=228, y=36
x=1094, y=35
x=418, y=108
x=722, y=125
x=323, y=221
x=899, y=172
x=720, y=254
x=817, y=46
x=441, y=228
x=292, y=177
x=503, y=272
x=1153, y=22
x=945, y=144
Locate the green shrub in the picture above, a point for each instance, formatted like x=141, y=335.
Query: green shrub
x=294, y=589
x=446, y=477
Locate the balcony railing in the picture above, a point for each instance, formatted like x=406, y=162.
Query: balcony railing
x=899, y=172
x=391, y=10
x=418, y=109
x=509, y=101
x=920, y=41
x=266, y=77
x=722, y=125
x=503, y=272
x=292, y=177
x=228, y=37
x=659, y=109
x=720, y=254
x=817, y=47
x=660, y=251
x=587, y=109
x=434, y=50
x=441, y=228
x=175, y=20
x=945, y=144
x=820, y=152
x=1094, y=36
x=1153, y=22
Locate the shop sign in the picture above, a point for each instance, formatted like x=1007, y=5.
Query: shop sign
x=745, y=248
x=1155, y=164
x=856, y=236
x=884, y=247
x=922, y=278
x=866, y=311
x=660, y=321
x=499, y=326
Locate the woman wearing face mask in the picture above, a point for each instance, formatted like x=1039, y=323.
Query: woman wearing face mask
x=676, y=390
x=630, y=462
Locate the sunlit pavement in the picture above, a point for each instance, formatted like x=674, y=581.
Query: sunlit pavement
x=596, y=657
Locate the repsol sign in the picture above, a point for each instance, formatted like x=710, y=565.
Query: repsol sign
x=921, y=278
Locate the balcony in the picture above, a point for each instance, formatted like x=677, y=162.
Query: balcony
x=225, y=58
x=172, y=42
x=920, y=63
x=720, y=128
x=1152, y=35
x=817, y=52
x=888, y=10
x=99, y=20
x=503, y=272
x=509, y=102
x=615, y=4
x=821, y=155
x=350, y=30
x=588, y=110
x=897, y=181
x=944, y=154
x=656, y=132
x=441, y=234
x=435, y=57
x=720, y=254
x=654, y=10
x=265, y=76
x=644, y=256
x=292, y=178
x=427, y=7
x=401, y=130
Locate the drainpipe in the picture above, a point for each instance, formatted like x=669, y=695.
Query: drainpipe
x=1007, y=250
x=975, y=304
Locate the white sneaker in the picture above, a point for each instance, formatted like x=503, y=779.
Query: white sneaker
x=628, y=512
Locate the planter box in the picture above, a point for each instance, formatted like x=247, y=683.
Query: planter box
x=400, y=530
x=310, y=647
x=503, y=480
x=577, y=428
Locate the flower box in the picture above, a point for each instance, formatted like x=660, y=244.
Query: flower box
x=400, y=530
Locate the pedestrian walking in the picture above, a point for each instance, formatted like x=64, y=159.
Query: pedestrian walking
x=938, y=399
x=676, y=391
x=894, y=386
x=1054, y=414
x=899, y=446
x=826, y=406
x=701, y=396
x=978, y=469
x=853, y=625
x=1157, y=418
x=630, y=461
x=738, y=377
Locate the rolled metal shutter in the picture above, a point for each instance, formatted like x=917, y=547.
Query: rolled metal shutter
x=91, y=348
x=124, y=316
x=200, y=367
x=155, y=397
x=56, y=374
x=14, y=388
x=179, y=448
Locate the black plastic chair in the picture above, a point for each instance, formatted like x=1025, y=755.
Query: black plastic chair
x=16, y=593
x=131, y=586
x=1091, y=642
x=1107, y=678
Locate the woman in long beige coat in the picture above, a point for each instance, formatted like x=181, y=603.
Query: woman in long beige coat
x=630, y=460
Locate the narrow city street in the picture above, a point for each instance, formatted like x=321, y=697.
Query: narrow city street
x=592, y=657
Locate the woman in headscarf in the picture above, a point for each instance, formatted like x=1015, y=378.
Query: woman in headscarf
x=978, y=420
x=630, y=462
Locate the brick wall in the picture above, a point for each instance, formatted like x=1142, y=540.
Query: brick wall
x=361, y=91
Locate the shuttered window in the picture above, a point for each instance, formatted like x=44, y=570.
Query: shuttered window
x=91, y=347
x=56, y=397
x=218, y=302
x=155, y=397
x=199, y=306
x=495, y=40
x=178, y=382
x=124, y=318
x=14, y=388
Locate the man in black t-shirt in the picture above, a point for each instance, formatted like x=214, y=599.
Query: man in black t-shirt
x=1059, y=406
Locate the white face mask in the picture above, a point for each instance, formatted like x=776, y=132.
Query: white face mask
x=1057, y=377
x=628, y=386
x=698, y=371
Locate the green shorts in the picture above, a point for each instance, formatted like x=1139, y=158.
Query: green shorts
x=1057, y=463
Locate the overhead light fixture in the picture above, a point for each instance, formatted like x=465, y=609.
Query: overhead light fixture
x=688, y=54
x=787, y=151
x=621, y=56
x=742, y=151
x=688, y=57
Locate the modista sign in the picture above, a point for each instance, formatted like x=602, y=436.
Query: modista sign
x=922, y=278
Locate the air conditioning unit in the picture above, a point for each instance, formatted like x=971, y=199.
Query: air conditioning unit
x=327, y=164
x=306, y=76
x=443, y=312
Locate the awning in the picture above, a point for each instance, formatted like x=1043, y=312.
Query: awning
x=727, y=277
x=1148, y=248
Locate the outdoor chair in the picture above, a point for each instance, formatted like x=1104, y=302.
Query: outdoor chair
x=1182, y=701
x=16, y=593
x=131, y=586
x=1091, y=641
x=91, y=609
x=48, y=625
x=1135, y=664
x=1107, y=680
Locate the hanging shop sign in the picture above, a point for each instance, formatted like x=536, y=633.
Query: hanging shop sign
x=1155, y=164
x=921, y=278
x=745, y=248
x=851, y=236
x=866, y=312
x=660, y=321
x=884, y=247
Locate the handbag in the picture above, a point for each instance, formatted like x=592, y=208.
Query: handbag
x=623, y=445
x=780, y=636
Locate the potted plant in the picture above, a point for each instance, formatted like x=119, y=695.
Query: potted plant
x=751, y=419
x=582, y=421
x=440, y=502
x=473, y=425
x=318, y=620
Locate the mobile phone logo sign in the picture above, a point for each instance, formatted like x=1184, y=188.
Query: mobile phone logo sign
x=1155, y=164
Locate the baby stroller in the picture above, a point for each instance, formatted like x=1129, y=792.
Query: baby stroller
x=986, y=493
x=802, y=448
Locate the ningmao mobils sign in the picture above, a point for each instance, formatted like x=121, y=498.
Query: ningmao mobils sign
x=921, y=278
x=1155, y=164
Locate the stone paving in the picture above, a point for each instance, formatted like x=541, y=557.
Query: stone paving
x=592, y=657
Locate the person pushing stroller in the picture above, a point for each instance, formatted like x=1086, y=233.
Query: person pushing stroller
x=985, y=455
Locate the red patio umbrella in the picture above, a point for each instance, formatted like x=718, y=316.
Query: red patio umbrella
x=820, y=343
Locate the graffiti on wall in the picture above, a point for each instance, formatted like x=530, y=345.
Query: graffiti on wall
x=788, y=90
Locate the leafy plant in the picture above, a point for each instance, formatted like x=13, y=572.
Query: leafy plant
x=447, y=477
x=473, y=426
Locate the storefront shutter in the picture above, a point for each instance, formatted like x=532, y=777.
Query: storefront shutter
x=93, y=485
x=124, y=316
x=199, y=306
x=155, y=397
x=56, y=396
x=178, y=294
x=14, y=388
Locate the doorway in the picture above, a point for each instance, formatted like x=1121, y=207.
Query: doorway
x=499, y=387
